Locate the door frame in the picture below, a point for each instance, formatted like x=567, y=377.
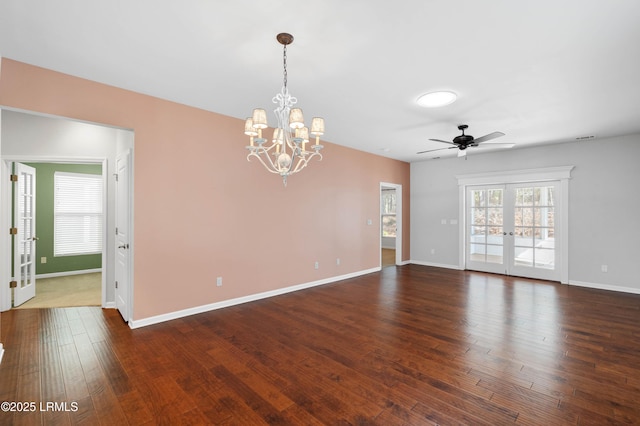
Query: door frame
x=562, y=174
x=398, y=188
x=5, y=218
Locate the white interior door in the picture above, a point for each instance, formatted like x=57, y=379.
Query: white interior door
x=123, y=236
x=512, y=229
x=24, y=241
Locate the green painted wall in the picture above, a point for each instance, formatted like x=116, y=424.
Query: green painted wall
x=44, y=220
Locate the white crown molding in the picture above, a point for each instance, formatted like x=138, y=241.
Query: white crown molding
x=516, y=176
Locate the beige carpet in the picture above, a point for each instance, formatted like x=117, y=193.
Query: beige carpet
x=72, y=290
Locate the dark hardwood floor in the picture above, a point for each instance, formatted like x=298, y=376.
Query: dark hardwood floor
x=410, y=345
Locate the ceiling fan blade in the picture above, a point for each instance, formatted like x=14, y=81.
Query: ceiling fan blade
x=488, y=137
x=462, y=153
x=440, y=140
x=439, y=149
x=497, y=145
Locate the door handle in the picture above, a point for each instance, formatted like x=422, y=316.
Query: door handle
x=35, y=238
x=124, y=246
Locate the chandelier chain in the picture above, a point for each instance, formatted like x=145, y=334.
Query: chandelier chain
x=284, y=61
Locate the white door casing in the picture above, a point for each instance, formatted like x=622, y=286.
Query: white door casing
x=24, y=242
x=123, y=235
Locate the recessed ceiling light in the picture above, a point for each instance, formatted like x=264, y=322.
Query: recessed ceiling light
x=437, y=99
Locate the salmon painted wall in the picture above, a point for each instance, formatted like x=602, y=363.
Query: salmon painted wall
x=203, y=211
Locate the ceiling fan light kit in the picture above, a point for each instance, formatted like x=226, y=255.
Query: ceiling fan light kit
x=463, y=141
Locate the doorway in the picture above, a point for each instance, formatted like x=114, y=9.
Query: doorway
x=390, y=224
x=58, y=246
x=511, y=229
x=34, y=138
x=516, y=222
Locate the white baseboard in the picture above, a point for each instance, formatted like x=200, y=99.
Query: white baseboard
x=571, y=282
x=251, y=298
x=67, y=273
x=436, y=265
x=110, y=305
x=605, y=287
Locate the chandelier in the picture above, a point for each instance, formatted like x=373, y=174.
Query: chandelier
x=289, y=150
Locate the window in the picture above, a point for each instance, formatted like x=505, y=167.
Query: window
x=77, y=214
x=388, y=208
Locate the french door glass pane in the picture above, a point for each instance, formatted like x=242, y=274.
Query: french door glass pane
x=495, y=216
x=478, y=234
x=544, y=258
x=486, y=231
x=494, y=254
x=534, y=218
x=495, y=197
x=478, y=252
x=478, y=216
x=523, y=256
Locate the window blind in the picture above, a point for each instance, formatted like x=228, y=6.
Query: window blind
x=78, y=215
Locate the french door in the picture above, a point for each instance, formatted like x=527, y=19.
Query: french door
x=24, y=242
x=511, y=229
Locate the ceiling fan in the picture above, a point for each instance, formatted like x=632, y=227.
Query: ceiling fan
x=462, y=142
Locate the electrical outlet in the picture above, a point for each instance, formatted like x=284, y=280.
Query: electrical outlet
x=219, y=281
x=43, y=259
x=317, y=265
x=433, y=251
x=338, y=261
x=604, y=268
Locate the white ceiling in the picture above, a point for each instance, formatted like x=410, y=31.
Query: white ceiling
x=543, y=71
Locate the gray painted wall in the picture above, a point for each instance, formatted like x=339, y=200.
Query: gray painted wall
x=604, y=202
